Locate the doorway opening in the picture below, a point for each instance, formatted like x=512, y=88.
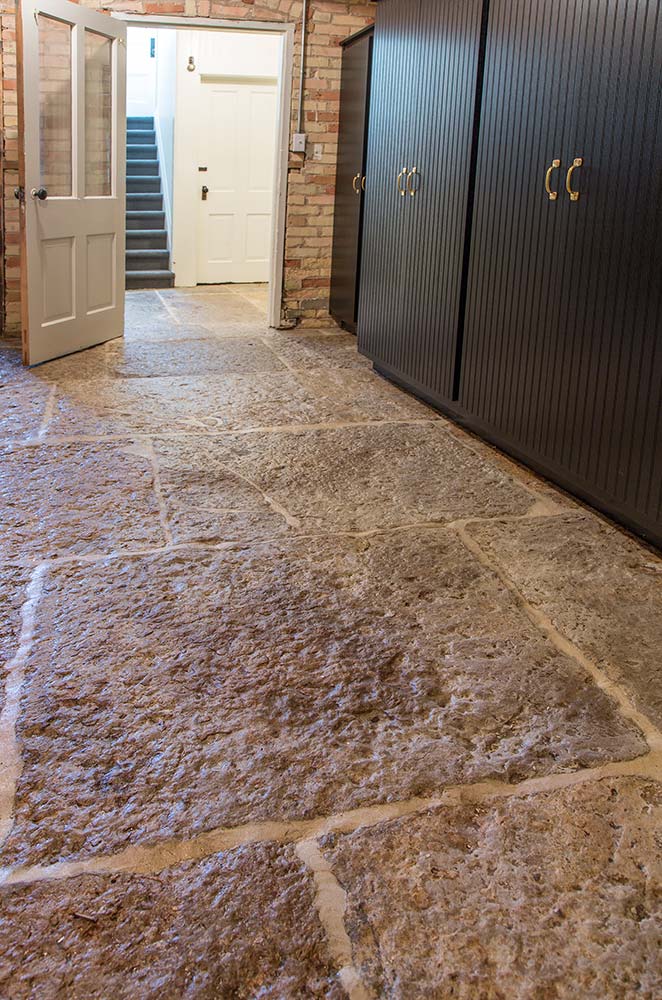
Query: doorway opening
x=73, y=167
x=207, y=133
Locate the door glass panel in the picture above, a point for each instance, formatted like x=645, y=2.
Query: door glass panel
x=55, y=121
x=98, y=114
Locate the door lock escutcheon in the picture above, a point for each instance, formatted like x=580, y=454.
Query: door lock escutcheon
x=205, y=192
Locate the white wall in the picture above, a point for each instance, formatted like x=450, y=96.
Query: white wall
x=164, y=113
x=140, y=73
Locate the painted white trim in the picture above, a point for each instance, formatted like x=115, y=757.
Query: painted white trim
x=165, y=187
x=279, y=213
x=159, y=20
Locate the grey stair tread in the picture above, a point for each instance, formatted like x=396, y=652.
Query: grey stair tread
x=142, y=233
x=147, y=260
x=145, y=253
x=146, y=239
x=143, y=168
x=140, y=139
x=159, y=272
x=147, y=256
x=143, y=185
x=144, y=196
x=149, y=279
x=141, y=153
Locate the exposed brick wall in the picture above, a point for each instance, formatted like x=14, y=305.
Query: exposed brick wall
x=311, y=182
x=10, y=222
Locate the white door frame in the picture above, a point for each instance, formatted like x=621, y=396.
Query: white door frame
x=285, y=103
x=77, y=218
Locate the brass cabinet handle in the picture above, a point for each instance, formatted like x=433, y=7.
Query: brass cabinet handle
x=553, y=195
x=574, y=195
x=403, y=173
x=412, y=190
x=355, y=183
x=363, y=183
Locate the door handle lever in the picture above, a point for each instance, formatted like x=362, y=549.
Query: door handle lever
x=574, y=195
x=553, y=195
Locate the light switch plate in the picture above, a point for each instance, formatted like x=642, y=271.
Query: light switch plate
x=299, y=142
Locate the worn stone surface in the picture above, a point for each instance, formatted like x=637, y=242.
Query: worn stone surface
x=598, y=586
x=216, y=402
x=354, y=479
x=11, y=367
x=127, y=359
x=171, y=694
x=553, y=497
x=145, y=306
x=13, y=585
x=222, y=308
x=71, y=499
x=557, y=895
x=22, y=408
x=234, y=926
x=207, y=501
x=365, y=478
x=329, y=351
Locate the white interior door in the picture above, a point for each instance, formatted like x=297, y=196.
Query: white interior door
x=73, y=174
x=237, y=144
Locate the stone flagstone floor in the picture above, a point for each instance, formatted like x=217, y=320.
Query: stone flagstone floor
x=306, y=692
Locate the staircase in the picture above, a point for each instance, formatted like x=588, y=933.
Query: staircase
x=147, y=256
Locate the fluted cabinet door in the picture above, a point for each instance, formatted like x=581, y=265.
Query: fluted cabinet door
x=563, y=326
x=385, y=268
x=348, y=207
x=443, y=115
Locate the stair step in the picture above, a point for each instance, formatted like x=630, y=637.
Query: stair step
x=146, y=200
x=141, y=152
x=138, y=122
x=147, y=260
x=149, y=279
x=145, y=219
x=136, y=184
x=147, y=239
x=143, y=167
x=140, y=137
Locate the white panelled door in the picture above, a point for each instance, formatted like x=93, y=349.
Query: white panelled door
x=237, y=144
x=73, y=81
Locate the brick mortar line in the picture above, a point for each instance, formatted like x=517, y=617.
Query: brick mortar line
x=565, y=645
x=152, y=859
